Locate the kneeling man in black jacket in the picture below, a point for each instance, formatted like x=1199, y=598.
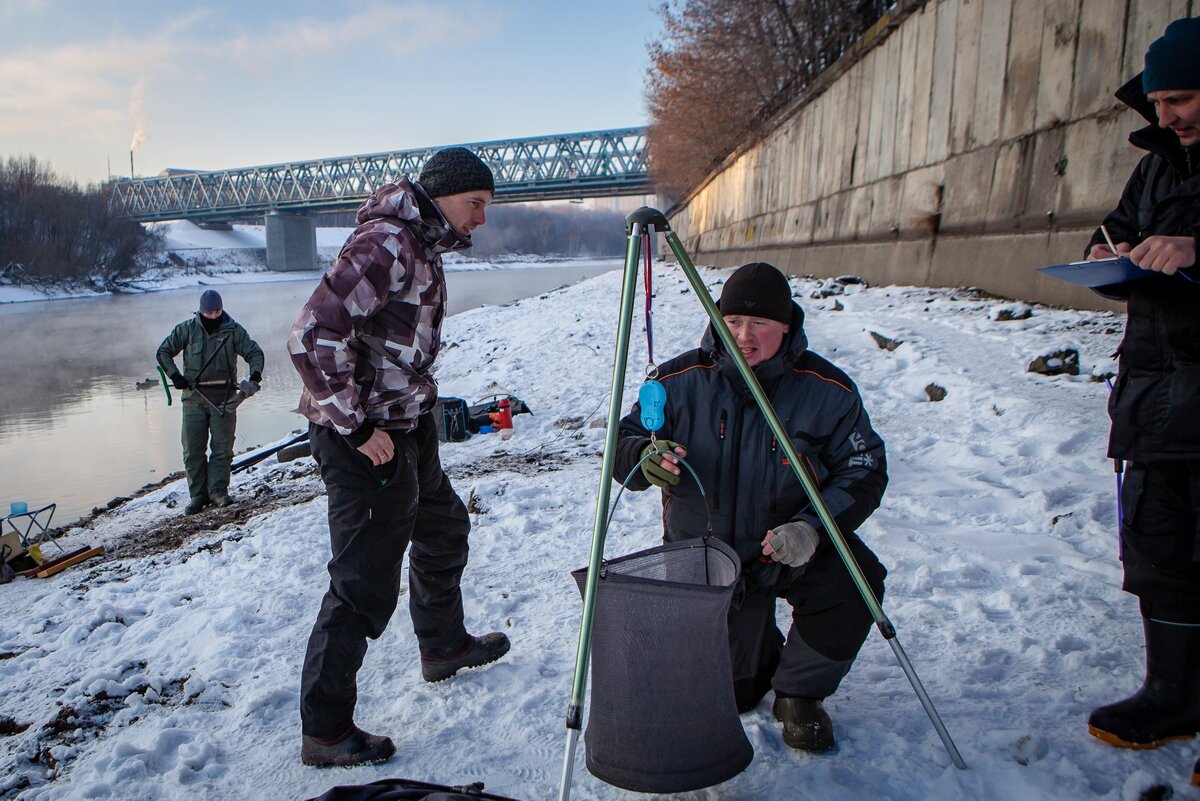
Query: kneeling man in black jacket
x=756, y=503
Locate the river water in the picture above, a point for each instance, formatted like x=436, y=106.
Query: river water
x=76, y=430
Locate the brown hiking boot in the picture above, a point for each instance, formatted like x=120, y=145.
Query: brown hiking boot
x=806, y=726
x=355, y=747
x=478, y=651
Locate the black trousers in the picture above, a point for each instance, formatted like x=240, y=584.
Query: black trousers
x=1160, y=539
x=830, y=622
x=374, y=515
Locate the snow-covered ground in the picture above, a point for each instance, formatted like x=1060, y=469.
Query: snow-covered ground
x=193, y=256
x=175, y=675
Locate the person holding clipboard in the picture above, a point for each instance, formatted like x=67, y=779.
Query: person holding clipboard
x=1155, y=405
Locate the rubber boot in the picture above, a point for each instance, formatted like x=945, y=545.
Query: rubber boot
x=806, y=724
x=1168, y=705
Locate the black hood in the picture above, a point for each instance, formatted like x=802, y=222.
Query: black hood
x=1153, y=138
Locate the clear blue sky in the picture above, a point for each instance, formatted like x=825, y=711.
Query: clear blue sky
x=218, y=84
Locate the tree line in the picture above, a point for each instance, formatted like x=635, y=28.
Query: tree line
x=50, y=229
x=723, y=67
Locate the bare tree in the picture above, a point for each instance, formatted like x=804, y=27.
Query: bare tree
x=723, y=65
x=50, y=228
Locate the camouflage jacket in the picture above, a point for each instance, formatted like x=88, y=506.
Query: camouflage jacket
x=365, y=342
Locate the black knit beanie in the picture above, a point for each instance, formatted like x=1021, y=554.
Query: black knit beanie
x=757, y=289
x=455, y=170
x=1173, y=59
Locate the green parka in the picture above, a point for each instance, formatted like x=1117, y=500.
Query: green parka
x=197, y=345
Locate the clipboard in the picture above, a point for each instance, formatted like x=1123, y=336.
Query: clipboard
x=1100, y=272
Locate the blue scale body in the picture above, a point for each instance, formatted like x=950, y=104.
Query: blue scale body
x=652, y=397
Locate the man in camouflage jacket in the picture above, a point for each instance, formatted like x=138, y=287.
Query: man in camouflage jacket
x=364, y=345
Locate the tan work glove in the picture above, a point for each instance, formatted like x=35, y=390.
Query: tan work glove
x=792, y=544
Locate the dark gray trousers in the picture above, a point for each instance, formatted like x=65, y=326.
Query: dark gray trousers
x=205, y=431
x=374, y=514
x=830, y=622
x=1160, y=539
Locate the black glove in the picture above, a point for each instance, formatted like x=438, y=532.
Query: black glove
x=652, y=468
x=179, y=382
x=248, y=388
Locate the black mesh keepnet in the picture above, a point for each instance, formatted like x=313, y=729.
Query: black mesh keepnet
x=662, y=716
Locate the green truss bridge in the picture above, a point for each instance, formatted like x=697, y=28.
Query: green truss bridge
x=557, y=167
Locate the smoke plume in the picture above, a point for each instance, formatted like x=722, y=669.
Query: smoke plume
x=137, y=100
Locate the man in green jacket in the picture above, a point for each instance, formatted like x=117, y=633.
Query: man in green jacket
x=210, y=342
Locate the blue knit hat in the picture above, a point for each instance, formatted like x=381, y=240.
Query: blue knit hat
x=1173, y=59
x=210, y=301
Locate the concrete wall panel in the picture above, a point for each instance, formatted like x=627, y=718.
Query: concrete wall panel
x=966, y=73
x=906, y=88
x=1018, y=109
x=887, y=129
x=862, y=120
x=995, y=17
x=1060, y=24
x=968, y=186
x=922, y=86
x=1098, y=67
x=941, y=92
x=1097, y=171
x=1042, y=202
x=921, y=201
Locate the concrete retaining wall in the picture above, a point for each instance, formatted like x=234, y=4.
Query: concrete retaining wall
x=961, y=143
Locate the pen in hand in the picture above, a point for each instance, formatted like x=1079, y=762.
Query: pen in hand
x=1112, y=248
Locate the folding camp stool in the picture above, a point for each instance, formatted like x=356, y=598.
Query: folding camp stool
x=31, y=526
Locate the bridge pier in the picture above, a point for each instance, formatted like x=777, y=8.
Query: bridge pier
x=291, y=242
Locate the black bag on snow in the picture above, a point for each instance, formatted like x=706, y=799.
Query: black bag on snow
x=408, y=790
x=450, y=415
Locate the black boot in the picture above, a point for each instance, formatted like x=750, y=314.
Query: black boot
x=356, y=747
x=1168, y=705
x=806, y=725
x=477, y=651
x=195, y=505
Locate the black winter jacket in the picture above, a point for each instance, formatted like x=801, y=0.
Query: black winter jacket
x=1155, y=405
x=747, y=481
